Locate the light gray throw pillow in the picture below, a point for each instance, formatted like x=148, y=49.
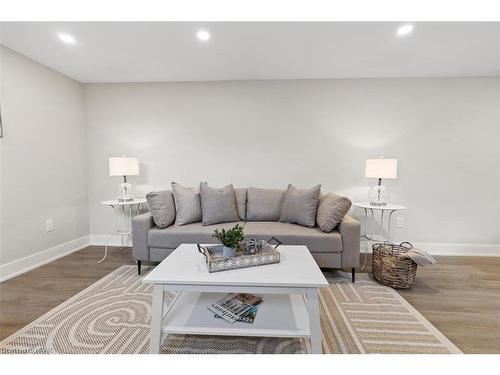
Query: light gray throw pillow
x=162, y=207
x=300, y=206
x=218, y=205
x=331, y=210
x=187, y=204
x=241, y=202
x=264, y=204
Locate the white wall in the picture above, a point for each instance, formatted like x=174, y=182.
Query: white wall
x=59, y=133
x=43, y=172
x=445, y=133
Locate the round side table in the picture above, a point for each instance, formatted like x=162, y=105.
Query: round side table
x=388, y=209
x=123, y=211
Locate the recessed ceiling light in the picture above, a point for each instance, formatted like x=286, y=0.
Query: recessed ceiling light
x=203, y=35
x=405, y=30
x=66, y=38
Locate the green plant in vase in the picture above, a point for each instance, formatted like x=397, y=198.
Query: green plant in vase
x=230, y=239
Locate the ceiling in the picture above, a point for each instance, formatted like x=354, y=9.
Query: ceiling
x=170, y=51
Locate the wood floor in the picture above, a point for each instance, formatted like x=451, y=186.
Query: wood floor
x=28, y=296
x=460, y=296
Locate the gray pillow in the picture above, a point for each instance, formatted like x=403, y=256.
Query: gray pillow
x=187, y=204
x=264, y=204
x=162, y=207
x=331, y=210
x=241, y=202
x=300, y=206
x=218, y=205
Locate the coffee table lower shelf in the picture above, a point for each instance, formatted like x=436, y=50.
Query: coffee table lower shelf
x=279, y=315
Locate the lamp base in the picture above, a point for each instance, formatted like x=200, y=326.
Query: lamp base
x=125, y=199
x=123, y=192
x=378, y=195
x=378, y=204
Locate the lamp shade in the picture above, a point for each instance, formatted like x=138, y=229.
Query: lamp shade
x=381, y=168
x=122, y=166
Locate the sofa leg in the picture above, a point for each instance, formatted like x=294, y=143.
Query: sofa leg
x=138, y=267
x=353, y=273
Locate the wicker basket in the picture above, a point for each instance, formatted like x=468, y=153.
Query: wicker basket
x=390, y=268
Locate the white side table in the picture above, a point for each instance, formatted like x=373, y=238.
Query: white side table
x=388, y=209
x=124, y=211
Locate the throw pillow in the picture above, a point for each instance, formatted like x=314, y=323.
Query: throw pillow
x=241, y=202
x=187, y=204
x=264, y=204
x=300, y=206
x=331, y=210
x=162, y=207
x=218, y=205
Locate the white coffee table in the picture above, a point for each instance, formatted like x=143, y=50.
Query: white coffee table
x=290, y=307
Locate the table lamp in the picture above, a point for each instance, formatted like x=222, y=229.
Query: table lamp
x=122, y=166
x=380, y=168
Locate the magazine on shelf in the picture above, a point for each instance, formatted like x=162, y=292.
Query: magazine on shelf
x=246, y=317
x=236, y=306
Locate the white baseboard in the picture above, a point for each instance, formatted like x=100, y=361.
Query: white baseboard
x=453, y=249
x=460, y=249
x=26, y=264
x=111, y=240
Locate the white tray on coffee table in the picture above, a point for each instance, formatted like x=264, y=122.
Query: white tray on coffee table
x=289, y=288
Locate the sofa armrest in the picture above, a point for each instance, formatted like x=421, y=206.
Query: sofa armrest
x=350, y=230
x=141, y=224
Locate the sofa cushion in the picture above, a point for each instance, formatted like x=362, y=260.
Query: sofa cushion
x=218, y=205
x=331, y=210
x=264, y=204
x=187, y=204
x=162, y=207
x=173, y=236
x=292, y=234
x=241, y=202
x=300, y=206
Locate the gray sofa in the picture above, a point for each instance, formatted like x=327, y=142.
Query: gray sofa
x=336, y=249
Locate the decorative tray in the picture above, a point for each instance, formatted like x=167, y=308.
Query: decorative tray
x=216, y=262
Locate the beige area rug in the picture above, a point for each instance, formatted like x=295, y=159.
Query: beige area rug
x=113, y=316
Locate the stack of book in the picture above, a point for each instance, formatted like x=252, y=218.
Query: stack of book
x=240, y=307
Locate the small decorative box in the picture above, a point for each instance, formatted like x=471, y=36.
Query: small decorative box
x=216, y=262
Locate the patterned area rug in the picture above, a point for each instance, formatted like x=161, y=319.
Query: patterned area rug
x=113, y=316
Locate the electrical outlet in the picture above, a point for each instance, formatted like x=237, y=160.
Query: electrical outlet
x=400, y=222
x=49, y=225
